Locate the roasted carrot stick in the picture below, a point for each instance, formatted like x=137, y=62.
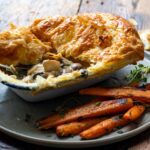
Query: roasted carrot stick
x=76, y=127
x=134, y=112
x=134, y=93
x=56, y=116
x=108, y=125
x=91, y=109
x=103, y=127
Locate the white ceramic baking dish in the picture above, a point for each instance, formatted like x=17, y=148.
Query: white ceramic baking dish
x=25, y=92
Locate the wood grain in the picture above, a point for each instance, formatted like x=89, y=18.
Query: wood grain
x=136, y=9
x=23, y=12
x=140, y=142
x=142, y=14
x=117, y=7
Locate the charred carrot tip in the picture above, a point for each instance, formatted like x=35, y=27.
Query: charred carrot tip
x=134, y=113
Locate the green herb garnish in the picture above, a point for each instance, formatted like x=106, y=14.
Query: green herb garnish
x=138, y=74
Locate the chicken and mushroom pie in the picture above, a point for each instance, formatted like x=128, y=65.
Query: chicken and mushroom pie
x=55, y=52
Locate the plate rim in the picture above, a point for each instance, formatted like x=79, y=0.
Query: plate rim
x=75, y=144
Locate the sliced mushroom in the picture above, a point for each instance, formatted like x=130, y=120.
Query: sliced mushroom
x=51, y=65
x=42, y=74
x=36, y=69
x=52, y=74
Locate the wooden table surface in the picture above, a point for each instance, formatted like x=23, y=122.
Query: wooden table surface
x=22, y=12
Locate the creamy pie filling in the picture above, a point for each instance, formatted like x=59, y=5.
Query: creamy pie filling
x=49, y=69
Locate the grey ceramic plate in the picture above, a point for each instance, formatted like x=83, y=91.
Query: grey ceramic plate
x=17, y=117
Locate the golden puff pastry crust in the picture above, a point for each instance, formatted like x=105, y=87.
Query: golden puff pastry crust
x=91, y=37
x=102, y=43
x=19, y=45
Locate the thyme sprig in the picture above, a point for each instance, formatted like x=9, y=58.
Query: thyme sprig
x=138, y=74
